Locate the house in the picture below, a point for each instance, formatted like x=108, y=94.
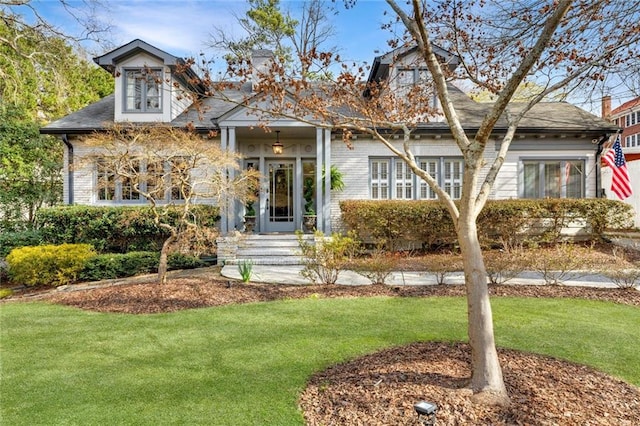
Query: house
x=627, y=117
x=554, y=153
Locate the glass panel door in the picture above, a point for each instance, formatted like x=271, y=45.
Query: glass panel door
x=280, y=200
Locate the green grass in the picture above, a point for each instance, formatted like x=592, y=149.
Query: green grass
x=246, y=364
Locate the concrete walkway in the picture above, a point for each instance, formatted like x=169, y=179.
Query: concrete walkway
x=290, y=274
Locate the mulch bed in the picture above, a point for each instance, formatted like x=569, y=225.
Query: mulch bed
x=381, y=388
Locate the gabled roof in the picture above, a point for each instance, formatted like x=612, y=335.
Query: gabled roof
x=109, y=60
x=381, y=64
x=187, y=76
x=556, y=117
x=545, y=117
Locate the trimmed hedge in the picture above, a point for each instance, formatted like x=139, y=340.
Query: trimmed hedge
x=113, y=229
x=117, y=265
x=48, y=264
x=11, y=240
x=427, y=224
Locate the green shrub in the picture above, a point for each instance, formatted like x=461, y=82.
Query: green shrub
x=48, y=264
x=184, y=261
x=113, y=229
x=120, y=265
x=502, y=223
x=5, y=292
x=326, y=257
x=11, y=240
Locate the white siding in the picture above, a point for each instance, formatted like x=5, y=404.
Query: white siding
x=354, y=164
x=84, y=178
x=633, y=167
x=509, y=180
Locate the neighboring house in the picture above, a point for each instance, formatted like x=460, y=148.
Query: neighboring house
x=627, y=117
x=554, y=153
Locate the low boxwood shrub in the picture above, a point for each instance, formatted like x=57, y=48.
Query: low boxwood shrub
x=502, y=223
x=48, y=264
x=113, y=229
x=184, y=261
x=121, y=265
x=11, y=240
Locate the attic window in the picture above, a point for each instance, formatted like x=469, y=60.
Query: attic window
x=143, y=90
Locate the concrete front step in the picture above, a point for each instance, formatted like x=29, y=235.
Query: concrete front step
x=270, y=249
x=266, y=260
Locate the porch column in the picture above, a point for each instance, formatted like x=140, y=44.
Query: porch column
x=326, y=204
x=224, y=220
x=319, y=197
x=298, y=200
x=232, y=204
x=261, y=213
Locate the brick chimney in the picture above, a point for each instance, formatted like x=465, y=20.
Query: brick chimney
x=606, y=106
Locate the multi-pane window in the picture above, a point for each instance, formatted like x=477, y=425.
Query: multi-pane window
x=143, y=90
x=403, y=181
x=632, y=119
x=632, y=141
x=128, y=182
x=380, y=179
x=155, y=180
x=452, y=178
x=447, y=172
x=106, y=181
x=431, y=167
x=180, y=178
x=553, y=178
x=163, y=181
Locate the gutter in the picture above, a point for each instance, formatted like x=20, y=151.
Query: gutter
x=65, y=140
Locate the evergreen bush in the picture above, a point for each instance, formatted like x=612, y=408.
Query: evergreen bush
x=11, y=240
x=48, y=264
x=502, y=223
x=113, y=229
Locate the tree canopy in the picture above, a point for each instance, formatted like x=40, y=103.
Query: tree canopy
x=562, y=45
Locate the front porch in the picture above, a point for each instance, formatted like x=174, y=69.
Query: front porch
x=291, y=159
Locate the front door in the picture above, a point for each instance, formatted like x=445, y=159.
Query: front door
x=280, y=200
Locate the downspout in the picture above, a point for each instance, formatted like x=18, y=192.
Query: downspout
x=65, y=140
x=599, y=189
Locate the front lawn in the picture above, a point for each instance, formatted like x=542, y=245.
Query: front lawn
x=247, y=364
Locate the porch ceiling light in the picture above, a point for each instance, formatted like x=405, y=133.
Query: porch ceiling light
x=277, y=146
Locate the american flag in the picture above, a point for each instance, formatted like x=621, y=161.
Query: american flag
x=620, y=183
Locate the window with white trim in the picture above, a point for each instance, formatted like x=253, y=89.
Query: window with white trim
x=164, y=181
x=553, y=178
x=632, y=141
x=431, y=167
x=379, y=178
x=143, y=90
x=452, y=179
x=447, y=172
x=105, y=181
x=403, y=181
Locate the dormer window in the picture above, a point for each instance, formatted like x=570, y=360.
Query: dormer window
x=143, y=90
x=412, y=76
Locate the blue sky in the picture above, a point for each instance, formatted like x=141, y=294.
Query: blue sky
x=182, y=27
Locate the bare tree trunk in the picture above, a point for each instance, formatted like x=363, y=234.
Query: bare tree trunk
x=164, y=258
x=486, y=380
